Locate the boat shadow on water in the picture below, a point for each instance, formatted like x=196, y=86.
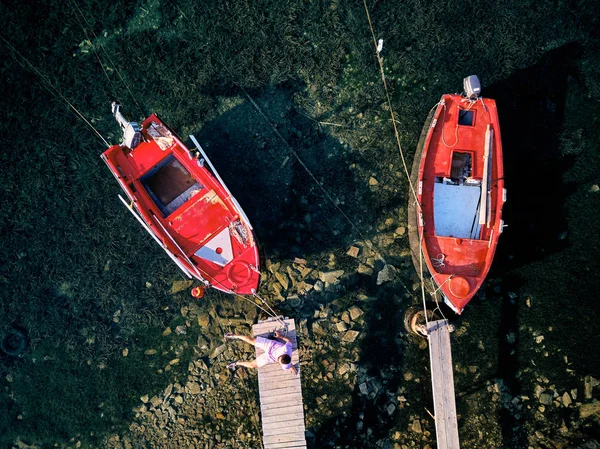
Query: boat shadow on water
x=293, y=216
x=531, y=105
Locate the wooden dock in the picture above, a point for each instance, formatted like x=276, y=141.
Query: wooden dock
x=281, y=407
x=442, y=380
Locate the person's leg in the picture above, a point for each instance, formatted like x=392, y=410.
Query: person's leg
x=251, y=364
x=249, y=340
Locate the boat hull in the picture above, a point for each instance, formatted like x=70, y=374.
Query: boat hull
x=187, y=209
x=455, y=217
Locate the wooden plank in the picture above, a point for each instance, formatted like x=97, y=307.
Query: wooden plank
x=280, y=405
x=283, y=427
x=442, y=380
x=277, y=376
x=280, y=392
x=287, y=445
x=275, y=398
x=277, y=429
x=288, y=416
x=278, y=383
x=268, y=328
x=271, y=326
x=489, y=135
x=275, y=370
x=287, y=410
x=295, y=437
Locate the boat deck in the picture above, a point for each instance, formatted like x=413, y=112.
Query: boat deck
x=456, y=210
x=282, y=410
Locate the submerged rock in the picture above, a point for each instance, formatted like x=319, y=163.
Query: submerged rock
x=319, y=285
x=283, y=279
x=590, y=409
x=330, y=276
x=566, y=399
x=353, y=251
x=589, y=384
x=350, y=336
x=363, y=269
x=218, y=351
x=355, y=312
x=386, y=274
x=203, y=319
x=416, y=426
x=179, y=286
x=340, y=326
x=192, y=388
x=546, y=398
x=363, y=388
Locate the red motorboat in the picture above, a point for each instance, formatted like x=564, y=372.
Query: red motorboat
x=460, y=193
x=184, y=205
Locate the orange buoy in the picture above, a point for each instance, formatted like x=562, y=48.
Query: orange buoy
x=459, y=287
x=198, y=292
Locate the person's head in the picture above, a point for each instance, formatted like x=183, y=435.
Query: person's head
x=285, y=361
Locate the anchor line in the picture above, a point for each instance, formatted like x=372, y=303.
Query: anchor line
x=48, y=86
x=73, y=3
x=370, y=244
x=399, y=144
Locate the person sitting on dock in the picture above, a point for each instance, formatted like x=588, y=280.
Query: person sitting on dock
x=274, y=351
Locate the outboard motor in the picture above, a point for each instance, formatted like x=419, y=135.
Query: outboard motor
x=472, y=87
x=131, y=131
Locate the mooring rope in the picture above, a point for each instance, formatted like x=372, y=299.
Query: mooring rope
x=372, y=246
x=48, y=85
x=73, y=3
x=397, y=135
x=388, y=98
x=273, y=314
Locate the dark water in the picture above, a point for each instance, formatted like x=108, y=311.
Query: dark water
x=532, y=113
x=71, y=257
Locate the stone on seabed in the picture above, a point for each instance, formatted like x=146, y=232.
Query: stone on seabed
x=363, y=269
x=355, y=312
x=350, y=336
x=179, y=286
x=330, y=276
x=353, y=251
x=386, y=274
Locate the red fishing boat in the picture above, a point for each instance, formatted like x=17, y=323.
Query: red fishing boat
x=179, y=198
x=459, y=193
